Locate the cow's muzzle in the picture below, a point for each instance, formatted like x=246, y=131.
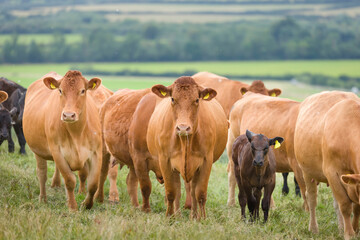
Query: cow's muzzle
x=183, y=130
x=258, y=163
x=68, y=117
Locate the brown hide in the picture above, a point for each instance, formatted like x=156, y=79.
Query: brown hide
x=254, y=169
x=187, y=133
x=125, y=116
x=3, y=96
x=326, y=147
x=62, y=124
x=271, y=117
x=229, y=91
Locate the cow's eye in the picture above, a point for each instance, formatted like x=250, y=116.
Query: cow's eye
x=172, y=100
x=197, y=101
x=83, y=92
x=60, y=91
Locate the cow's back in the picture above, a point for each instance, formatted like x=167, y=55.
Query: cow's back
x=269, y=116
x=228, y=91
x=310, y=130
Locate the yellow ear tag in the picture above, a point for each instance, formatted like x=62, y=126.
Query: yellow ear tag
x=242, y=92
x=273, y=94
x=206, y=96
x=94, y=85
x=52, y=86
x=163, y=93
x=277, y=144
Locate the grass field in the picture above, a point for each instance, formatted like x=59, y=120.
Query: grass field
x=27, y=73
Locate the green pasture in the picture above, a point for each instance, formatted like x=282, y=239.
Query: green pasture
x=23, y=217
x=27, y=73
x=39, y=38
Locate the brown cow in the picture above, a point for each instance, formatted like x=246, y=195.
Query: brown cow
x=271, y=117
x=99, y=95
x=62, y=124
x=125, y=116
x=229, y=91
x=327, y=148
x=187, y=133
x=3, y=96
x=255, y=166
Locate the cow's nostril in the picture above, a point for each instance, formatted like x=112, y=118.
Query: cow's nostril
x=188, y=129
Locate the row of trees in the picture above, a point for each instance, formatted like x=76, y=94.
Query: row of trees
x=284, y=39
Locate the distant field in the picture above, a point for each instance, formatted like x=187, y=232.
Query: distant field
x=200, y=13
x=28, y=72
x=25, y=74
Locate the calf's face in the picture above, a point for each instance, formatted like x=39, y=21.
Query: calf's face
x=259, y=87
x=260, y=146
x=5, y=124
x=185, y=97
x=72, y=93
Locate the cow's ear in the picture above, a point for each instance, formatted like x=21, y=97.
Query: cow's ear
x=93, y=84
x=274, y=92
x=244, y=90
x=276, y=141
x=207, y=94
x=51, y=83
x=350, y=179
x=3, y=96
x=161, y=91
x=249, y=135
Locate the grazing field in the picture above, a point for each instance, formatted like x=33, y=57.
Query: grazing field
x=27, y=73
x=23, y=217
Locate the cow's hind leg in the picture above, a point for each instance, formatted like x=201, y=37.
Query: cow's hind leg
x=356, y=212
x=83, y=174
x=132, y=186
x=99, y=195
x=113, y=192
x=311, y=197
x=231, y=176
x=41, y=171
x=56, y=179
x=285, y=188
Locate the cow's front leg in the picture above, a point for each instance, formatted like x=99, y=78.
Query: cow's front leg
x=265, y=204
x=56, y=179
x=93, y=179
x=83, y=174
x=11, y=145
x=99, y=195
x=69, y=179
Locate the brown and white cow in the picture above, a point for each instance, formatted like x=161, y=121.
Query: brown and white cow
x=229, y=91
x=3, y=96
x=61, y=123
x=327, y=148
x=255, y=166
x=187, y=133
x=125, y=117
x=271, y=117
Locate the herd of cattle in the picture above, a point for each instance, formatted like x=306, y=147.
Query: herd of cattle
x=181, y=130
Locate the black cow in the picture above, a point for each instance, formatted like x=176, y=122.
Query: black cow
x=5, y=128
x=15, y=106
x=254, y=166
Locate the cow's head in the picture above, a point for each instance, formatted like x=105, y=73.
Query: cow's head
x=5, y=124
x=185, y=97
x=260, y=146
x=3, y=96
x=259, y=87
x=72, y=93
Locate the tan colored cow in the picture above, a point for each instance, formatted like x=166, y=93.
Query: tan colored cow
x=187, y=133
x=61, y=123
x=327, y=148
x=229, y=91
x=125, y=116
x=3, y=96
x=271, y=117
